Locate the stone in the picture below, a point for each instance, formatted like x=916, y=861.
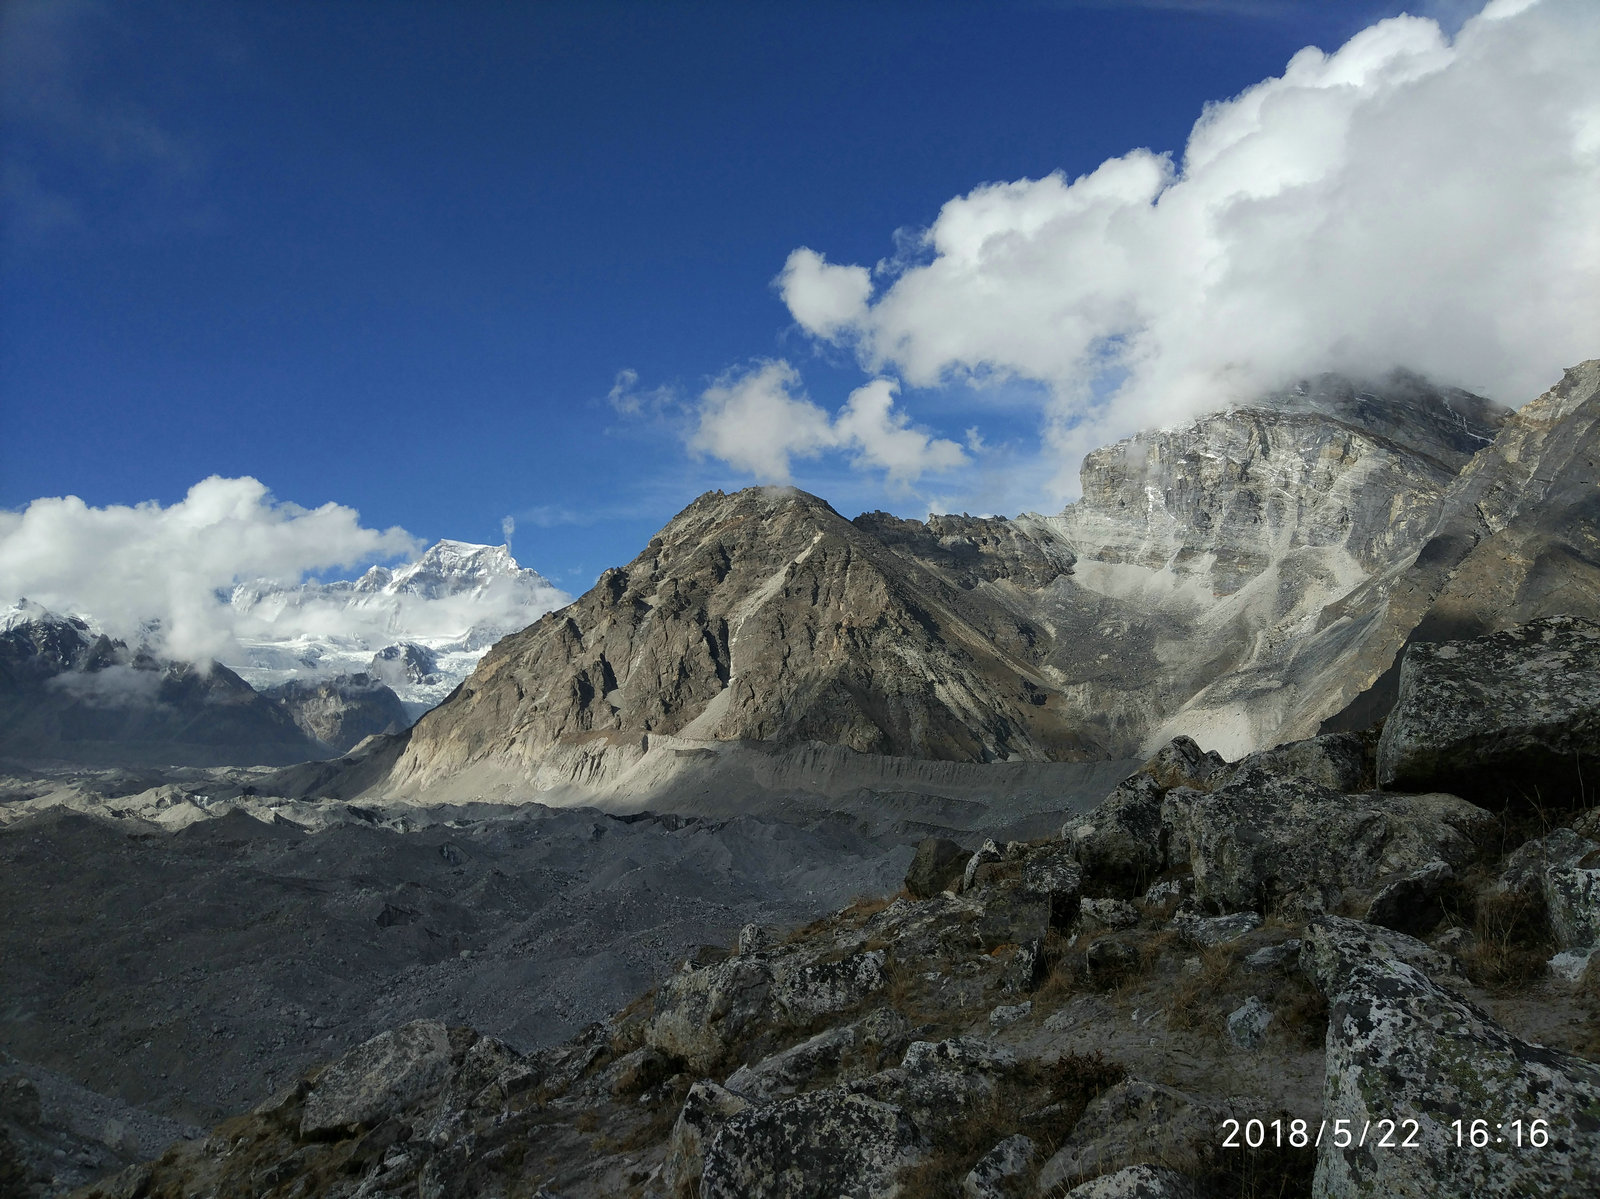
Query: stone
x=1410, y=904
x=1137, y=1182
x=753, y=939
x=786, y=1072
x=989, y=851
x=1562, y=871
x=1247, y=1024
x=705, y=1109
x=1182, y=763
x=941, y=1085
x=1004, y=1172
x=1168, y=890
x=825, y=1143
x=1337, y=761
x=806, y=991
x=1205, y=931
x=1293, y=847
x=1010, y=1013
x=1119, y=843
x=637, y=1071
x=1135, y=1120
x=1401, y=1048
x=1572, y=965
x=391, y=1071
x=1027, y=968
x=1510, y=717
x=1108, y=913
x=937, y=863
x=1273, y=957
x=700, y=1013
x=1332, y=946
x=1107, y=961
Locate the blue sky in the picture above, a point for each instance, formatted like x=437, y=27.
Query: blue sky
x=398, y=256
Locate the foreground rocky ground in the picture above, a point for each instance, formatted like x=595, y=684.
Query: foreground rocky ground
x=1258, y=978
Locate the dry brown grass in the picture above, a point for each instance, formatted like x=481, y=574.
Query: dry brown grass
x=1192, y=1001
x=1513, y=941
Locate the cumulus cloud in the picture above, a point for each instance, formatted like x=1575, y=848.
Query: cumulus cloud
x=759, y=420
x=1408, y=200
x=128, y=566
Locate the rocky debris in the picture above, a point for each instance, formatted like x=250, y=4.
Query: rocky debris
x=1413, y=1061
x=1279, y=844
x=1513, y=717
x=1410, y=904
x=1247, y=1024
x=1010, y=1013
x=1137, y=1182
x=1274, y=957
x=1004, y=1172
x=392, y=1070
x=1107, y=913
x=938, y=863
x=825, y=1143
x=1562, y=873
x=1119, y=844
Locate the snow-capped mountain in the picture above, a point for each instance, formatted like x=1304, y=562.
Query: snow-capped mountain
x=420, y=628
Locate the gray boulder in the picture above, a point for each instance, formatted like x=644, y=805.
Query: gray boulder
x=941, y=1085
x=393, y=1070
x=1137, y=1182
x=1248, y=1023
x=1004, y=1172
x=1205, y=931
x=1133, y=1121
x=1333, y=946
x=937, y=864
x=808, y=990
x=1410, y=904
x=1562, y=871
x=1290, y=846
x=1337, y=761
x=1119, y=843
x=1402, y=1049
x=816, y=1146
x=700, y=1012
x=1182, y=763
x=786, y=1072
x=1513, y=712
x=705, y=1109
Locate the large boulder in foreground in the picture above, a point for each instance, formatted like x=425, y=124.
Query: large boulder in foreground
x=701, y=1011
x=392, y=1070
x=1514, y=715
x=1267, y=843
x=1409, y=1059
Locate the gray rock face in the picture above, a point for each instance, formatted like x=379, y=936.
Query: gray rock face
x=700, y=1012
x=1119, y=844
x=1337, y=761
x=1563, y=872
x=1003, y=1172
x=823, y=1144
x=938, y=863
x=343, y=711
x=1182, y=763
x=1135, y=1120
x=1514, y=715
x=1410, y=904
x=706, y=1108
x=1403, y=1049
x=1268, y=843
x=1247, y=1025
x=1333, y=946
x=391, y=1071
x=808, y=990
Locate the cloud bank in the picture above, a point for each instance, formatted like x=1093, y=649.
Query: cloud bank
x=759, y=420
x=1409, y=200
x=128, y=566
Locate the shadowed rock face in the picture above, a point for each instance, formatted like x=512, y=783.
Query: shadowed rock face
x=342, y=711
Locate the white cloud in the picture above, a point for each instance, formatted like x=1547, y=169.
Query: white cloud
x=883, y=437
x=125, y=566
x=1410, y=200
x=757, y=421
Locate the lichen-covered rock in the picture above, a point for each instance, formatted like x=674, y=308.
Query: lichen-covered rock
x=1119, y=843
x=705, y=1109
x=1135, y=1120
x=1511, y=715
x=700, y=1012
x=1205, y=931
x=816, y=1146
x=1333, y=946
x=1137, y=1182
x=1026, y=894
x=937, y=863
x=941, y=1084
x=786, y=1072
x=1562, y=871
x=1337, y=761
x=1003, y=1172
x=391, y=1071
x=1182, y=763
x=1107, y=913
x=989, y=851
x=1410, y=904
x=1273, y=957
x=1292, y=846
x=1403, y=1049
x=807, y=990
x=1248, y=1023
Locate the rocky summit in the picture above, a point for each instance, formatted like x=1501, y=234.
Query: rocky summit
x=1232, y=833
